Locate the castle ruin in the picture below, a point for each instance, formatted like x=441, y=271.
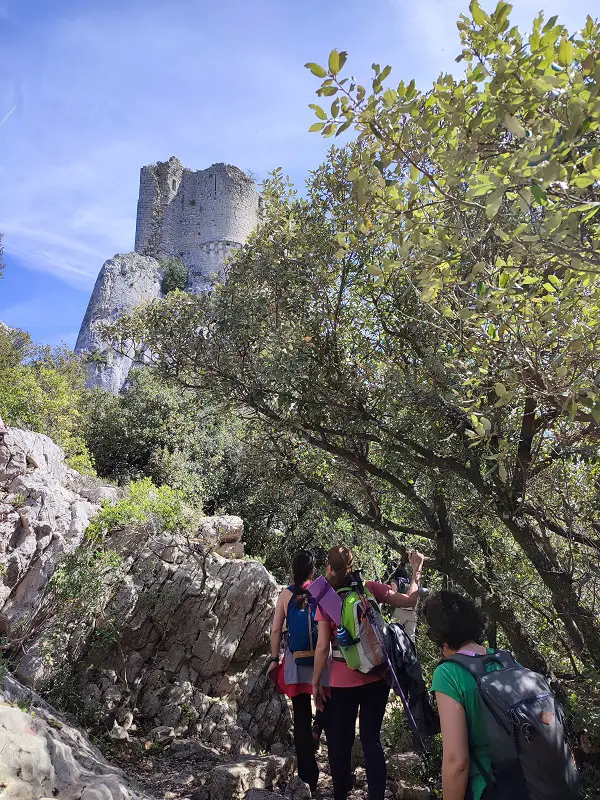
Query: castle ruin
x=198, y=217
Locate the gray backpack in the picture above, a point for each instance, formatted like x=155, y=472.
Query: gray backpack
x=531, y=757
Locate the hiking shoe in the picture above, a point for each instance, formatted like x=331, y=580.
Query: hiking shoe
x=316, y=734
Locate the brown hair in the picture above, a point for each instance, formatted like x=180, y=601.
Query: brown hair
x=341, y=561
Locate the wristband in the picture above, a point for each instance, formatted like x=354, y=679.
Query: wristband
x=274, y=659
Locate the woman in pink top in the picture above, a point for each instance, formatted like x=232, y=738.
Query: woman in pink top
x=353, y=692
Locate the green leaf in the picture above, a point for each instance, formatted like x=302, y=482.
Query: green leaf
x=478, y=14
x=555, y=281
x=500, y=389
x=373, y=269
x=318, y=111
x=539, y=194
x=493, y=202
x=479, y=73
x=343, y=127
x=566, y=52
x=318, y=126
x=334, y=62
x=316, y=69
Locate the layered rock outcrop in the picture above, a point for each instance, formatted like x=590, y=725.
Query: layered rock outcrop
x=181, y=640
x=45, y=508
x=191, y=648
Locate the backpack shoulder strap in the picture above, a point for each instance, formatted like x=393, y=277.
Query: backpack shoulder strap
x=503, y=657
x=477, y=665
x=474, y=666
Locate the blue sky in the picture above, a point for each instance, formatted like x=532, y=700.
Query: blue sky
x=94, y=89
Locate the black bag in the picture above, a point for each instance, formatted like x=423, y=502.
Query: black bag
x=404, y=661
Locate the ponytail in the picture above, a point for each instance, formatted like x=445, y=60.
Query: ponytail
x=303, y=566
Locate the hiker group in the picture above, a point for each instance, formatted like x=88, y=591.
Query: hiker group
x=502, y=728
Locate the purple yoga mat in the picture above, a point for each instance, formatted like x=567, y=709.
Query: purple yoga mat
x=327, y=599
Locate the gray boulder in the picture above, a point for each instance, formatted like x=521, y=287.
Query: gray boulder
x=233, y=781
x=297, y=790
x=43, y=756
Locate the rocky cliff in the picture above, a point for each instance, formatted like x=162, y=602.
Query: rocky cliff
x=124, y=282
x=169, y=670
x=186, y=639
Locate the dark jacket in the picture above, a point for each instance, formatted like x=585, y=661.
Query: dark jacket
x=407, y=680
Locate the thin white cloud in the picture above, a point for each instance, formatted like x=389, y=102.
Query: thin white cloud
x=8, y=115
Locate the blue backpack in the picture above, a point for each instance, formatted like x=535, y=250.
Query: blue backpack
x=302, y=628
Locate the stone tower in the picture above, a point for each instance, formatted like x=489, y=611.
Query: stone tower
x=199, y=217
x=196, y=216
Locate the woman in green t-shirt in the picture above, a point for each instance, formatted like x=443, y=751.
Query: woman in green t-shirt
x=457, y=626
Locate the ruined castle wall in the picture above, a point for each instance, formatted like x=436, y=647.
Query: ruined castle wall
x=196, y=216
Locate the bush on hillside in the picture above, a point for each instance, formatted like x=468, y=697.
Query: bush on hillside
x=42, y=389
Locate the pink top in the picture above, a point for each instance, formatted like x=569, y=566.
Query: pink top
x=341, y=676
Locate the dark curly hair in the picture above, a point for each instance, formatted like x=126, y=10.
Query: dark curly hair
x=453, y=620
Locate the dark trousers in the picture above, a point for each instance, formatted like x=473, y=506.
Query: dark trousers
x=368, y=701
x=308, y=771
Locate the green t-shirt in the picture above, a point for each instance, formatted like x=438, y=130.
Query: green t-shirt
x=454, y=681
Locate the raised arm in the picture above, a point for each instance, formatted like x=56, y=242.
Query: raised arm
x=409, y=600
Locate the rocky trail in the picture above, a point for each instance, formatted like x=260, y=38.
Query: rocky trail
x=185, y=769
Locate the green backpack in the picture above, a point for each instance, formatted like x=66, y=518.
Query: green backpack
x=357, y=643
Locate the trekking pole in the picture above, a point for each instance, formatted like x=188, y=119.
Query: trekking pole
x=369, y=613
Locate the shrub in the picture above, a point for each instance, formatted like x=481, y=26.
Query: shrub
x=42, y=389
x=143, y=502
x=175, y=275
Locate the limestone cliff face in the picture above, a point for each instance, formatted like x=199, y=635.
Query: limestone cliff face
x=199, y=217
x=125, y=282
x=182, y=640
